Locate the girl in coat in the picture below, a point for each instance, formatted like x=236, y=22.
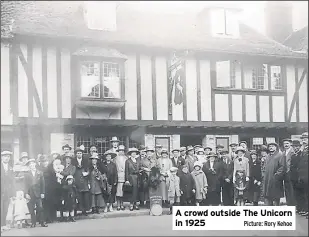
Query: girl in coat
x=132, y=172
x=200, y=181
x=120, y=162
x=165, y=165
x=255, y=179
x=69, y=198
x=96, y=179
x=110, y=169
x=187, y=187
x=240, y=185
x=173, y=185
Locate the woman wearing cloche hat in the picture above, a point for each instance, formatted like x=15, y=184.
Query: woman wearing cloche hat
x=200, y=181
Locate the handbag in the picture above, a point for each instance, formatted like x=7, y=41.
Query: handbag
x=127, y=188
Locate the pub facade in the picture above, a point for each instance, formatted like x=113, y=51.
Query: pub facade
x=71, y=74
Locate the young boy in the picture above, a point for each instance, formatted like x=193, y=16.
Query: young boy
x=173, y=185
x=187, y=187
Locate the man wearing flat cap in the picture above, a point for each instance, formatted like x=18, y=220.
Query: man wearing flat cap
x=7, y=184
x=183, y=151
x=177, y=161
x=274, y=175
x=233, y=150
x=158, y=151
x=190, y=158
x=288, y=188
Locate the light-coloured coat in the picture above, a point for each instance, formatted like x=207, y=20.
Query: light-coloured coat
x=200, y=181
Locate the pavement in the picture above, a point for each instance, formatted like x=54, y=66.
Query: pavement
x=141, y=226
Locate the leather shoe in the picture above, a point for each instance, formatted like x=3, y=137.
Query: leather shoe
x=44, y=225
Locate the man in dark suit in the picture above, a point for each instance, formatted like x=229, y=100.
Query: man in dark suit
x=7, y=184
x=66, y=152
x=303, y=172
x=177, y=161
x=35, y=188
x=81, y=177
x=288, y=188
x=227, y=180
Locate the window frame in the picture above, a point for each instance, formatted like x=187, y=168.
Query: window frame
x=101, y=61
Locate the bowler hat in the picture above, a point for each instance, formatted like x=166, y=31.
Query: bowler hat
x=113, y=155
x=287, y=140
x=6, y=153
x=121, y=148
x=29, y=161
x=304, y=135
x=296, y=143
x=173, y=169
x=114, y=139
x=131, y=150
x=66, y=146
x=219, y=146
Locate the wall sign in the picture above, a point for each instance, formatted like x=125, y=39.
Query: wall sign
x=57, y=140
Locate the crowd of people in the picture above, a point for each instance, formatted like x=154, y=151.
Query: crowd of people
x=35, y=190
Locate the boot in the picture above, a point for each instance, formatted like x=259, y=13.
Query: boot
x=97, y=210
x=93, y=210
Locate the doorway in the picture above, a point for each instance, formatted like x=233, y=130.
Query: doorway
x=191, y=140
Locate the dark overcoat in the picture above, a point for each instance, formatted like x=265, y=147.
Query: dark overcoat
x=132, y=175
x=214, y=178
x=187, y=184
x=303, y=167
x=273, y=177
x=255, y=172
x=81, y=181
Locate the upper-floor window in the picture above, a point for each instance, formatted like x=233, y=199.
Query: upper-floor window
x=100, y=80
x=228, y=74
x=256, y=77
x=275, y=77
x=224, y=23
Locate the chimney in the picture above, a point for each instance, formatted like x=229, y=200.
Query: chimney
x=279, y=20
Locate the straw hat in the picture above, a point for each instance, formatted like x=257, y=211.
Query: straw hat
x=182, y=148
x=175, y=149
x=233, y=144
x=304, y=135
x=121, y=148
x=212, y=154
x=4, y=153
x=164, y=151
x=113, y=155
x=173, y=169
x=240, y=148
x=69, y=177
x=201, y=150
x=208, y=147
x=150, y=148
x=30, y=161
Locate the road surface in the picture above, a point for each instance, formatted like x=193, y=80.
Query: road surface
x=142, y=226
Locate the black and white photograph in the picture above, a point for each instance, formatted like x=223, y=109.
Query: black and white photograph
x=116, y=115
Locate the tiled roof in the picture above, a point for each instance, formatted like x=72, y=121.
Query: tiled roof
x=135, y=27
x=298, y=40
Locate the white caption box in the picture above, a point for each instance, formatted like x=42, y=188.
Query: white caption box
x=234, y=218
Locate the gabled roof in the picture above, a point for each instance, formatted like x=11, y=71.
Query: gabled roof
x=298, y=40
x=135, y=27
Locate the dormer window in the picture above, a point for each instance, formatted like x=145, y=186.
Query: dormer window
x=224, y=23
x=100, y=15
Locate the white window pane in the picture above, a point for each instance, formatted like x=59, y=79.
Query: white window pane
x=90, y=80
x=257, y=141
x=270, y=139
x=223, y=74
x=231, y=24
x=248, y=77
x=218, y=21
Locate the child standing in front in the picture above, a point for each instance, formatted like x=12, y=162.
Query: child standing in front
x=187, y=187
x=200, y=181
x=173, y=185
x=240, y=187
x=69, y=198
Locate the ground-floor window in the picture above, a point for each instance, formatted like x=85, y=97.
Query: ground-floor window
x=102, y=142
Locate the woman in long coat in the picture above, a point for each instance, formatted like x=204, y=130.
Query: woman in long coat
x=255, y=179
x=110, y=169
x=165, y=165
x=120, y=161
x=214, y=171
x=200, y=181
x=69, y=169
x=96, y=178
x=274, y=172
x=132, y=171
